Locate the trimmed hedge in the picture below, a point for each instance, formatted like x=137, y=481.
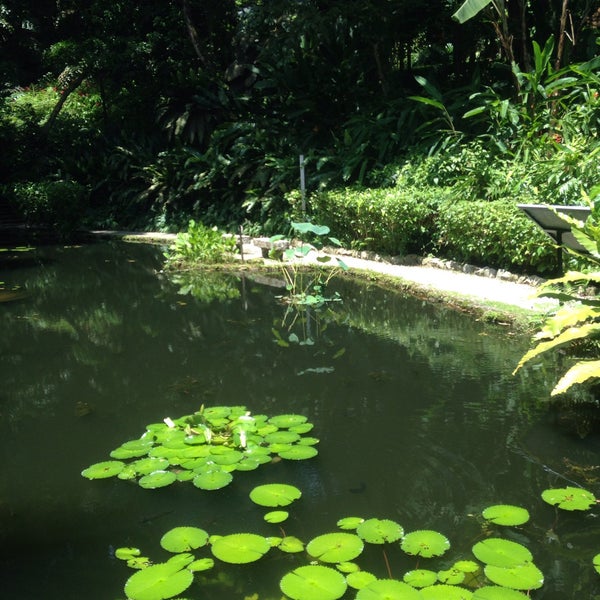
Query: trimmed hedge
x=494, y=234
x=389, y=220
x=398, y=221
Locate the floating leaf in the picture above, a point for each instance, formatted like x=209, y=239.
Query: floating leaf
x=132, y=449
x=145, y=466
x=451, y=576
x=212, y=479
x=127, y=553
x=335, y=547
x=360, y=579
x=445, y=592
x=183, y=539
x=282, y=437
x=202, y=564
x=275, y=494
x=139, y=562
x=597, y=562
x=301, y=428
x=157, y=479
x=466, y=566
x=158, y=582
x=276, y=516
x=347, y=567
x=506, y=514
x=291, y=544
x=349, y=522
x=521, y=577
x=313, y=582
x=105, y=469
x=379, y=531
x=569, y=498
x=388, y=589
x=298, y=452
x=501, y=553
x=420, y=578
x=240, y=548
x=492, y=592
x=286, y=421
x=426, y=543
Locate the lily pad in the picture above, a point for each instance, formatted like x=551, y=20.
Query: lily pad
x=202, y=564
x=132, y=449
x=335, y=547
x=425, y=543
x=103, y=470
x=286, y=421
x=569, y=498
x=275, y=494
x=521, y=577
x=597, y=563
x=282, y=437
x=291, y=544
x=276, y=516
x=298, y=452
x=183, y=539
x=360, y=579
x=313, y=581
x=157, y=479
x=501, y=553
x=349, y=522
x=240, y=548
x=145, y=466
x=492, y=592
x=445, y=592
x=212, y=479
x=506, y=514
x=158, y=582
x=379, y=531
x=420, y=578
x=451, y=576
x=347, y=567
x=388, y=589
x=127, y=553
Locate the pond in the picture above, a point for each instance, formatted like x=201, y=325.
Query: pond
x=419, y=420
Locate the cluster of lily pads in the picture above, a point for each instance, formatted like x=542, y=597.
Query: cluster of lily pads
x=502, y=569
x=206, y=447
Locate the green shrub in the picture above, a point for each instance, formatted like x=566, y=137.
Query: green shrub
x=391, y=220
x=492, y=234
x=200, y=244
x=59, y=205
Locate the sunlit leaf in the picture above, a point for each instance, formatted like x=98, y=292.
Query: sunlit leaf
x=335, y=547
x=521, y=577
x=579, y=373
x=388, y=589
x=275, y=494
x=157, y=479
x=569, y=498
x=105, y=469
x=445, y=592
x=501, y=553
x=158, y=582
x=184, y=539
x=426, y=543
x=506, y=514
x=313, y=582
x=492, y=592
x=240, y=548
x=379, y=531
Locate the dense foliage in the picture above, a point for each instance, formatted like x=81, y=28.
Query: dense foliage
x=166, y=111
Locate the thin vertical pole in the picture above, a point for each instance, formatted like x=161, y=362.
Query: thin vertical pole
x=303, y=186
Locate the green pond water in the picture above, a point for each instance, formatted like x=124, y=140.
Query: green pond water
x=418, y=416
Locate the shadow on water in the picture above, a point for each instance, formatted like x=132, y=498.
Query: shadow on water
x=419, y=417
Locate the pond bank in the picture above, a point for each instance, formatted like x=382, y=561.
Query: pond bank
x=496, y=294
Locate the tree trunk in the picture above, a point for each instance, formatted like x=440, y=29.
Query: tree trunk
x=64, y=94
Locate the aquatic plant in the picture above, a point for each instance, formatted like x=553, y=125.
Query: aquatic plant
x=500, y=569
x=206, y=447
x=307, y=288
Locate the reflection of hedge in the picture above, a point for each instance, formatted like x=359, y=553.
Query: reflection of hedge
x=398, y=221
x=56, y=204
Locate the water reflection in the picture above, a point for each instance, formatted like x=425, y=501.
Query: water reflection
x=419, y=417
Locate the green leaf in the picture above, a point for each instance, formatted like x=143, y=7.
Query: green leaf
x=506, y=514
x=212, y=479
x=184, y=539
x=420, y=578
x=597, y=563
x=240, y=548
x=291, y=544
x=501, y=553
x=335, y=547
x=158, y=582
x=298, y=452
x=276, y=516
x=578, y=373
x=349, y=522
x=388, y=589
x=157, y=479
x=492, y=592
x=425, y=543
x=360, y=579
x=313, y=582
x=102, y=470
x=310, y=228
x=521, y=577
x=275, y=494
x=469, y=9
x=379, y=531
x=569, y=498
x=445, y=592
x=127, y=553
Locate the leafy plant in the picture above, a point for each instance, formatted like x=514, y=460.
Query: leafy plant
x=200, y=244
x=206, y=447
x=307, y=288
x=576, y=324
